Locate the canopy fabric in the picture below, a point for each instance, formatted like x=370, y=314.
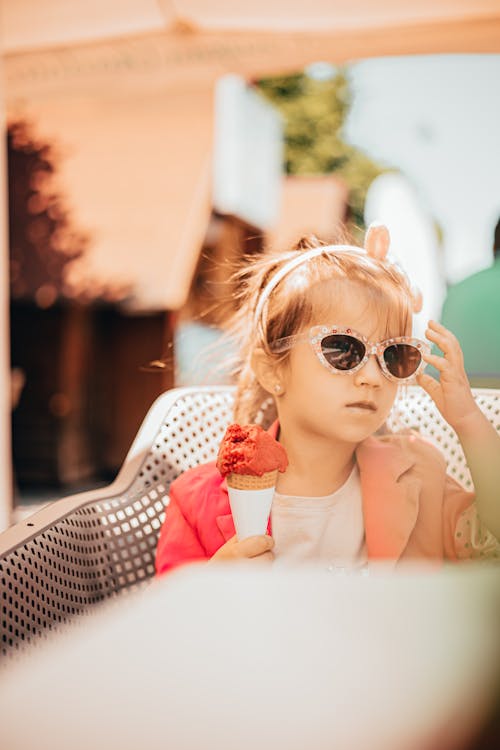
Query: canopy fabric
x=29, y=24
x=165, y=56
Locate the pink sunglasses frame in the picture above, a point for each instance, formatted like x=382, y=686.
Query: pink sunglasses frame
x=316, y=334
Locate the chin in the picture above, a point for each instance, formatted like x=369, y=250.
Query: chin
x=358, y=437
x=354, y=435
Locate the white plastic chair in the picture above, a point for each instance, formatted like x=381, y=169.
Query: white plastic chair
x=417, y=411
x=82, y=549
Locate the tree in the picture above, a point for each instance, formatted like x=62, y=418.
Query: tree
x=41, y=239
x=315, y=112
x=44, y=243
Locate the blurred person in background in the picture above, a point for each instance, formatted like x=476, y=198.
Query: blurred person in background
x=472, y=311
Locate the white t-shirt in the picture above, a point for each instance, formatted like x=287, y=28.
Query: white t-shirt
x=328, y=529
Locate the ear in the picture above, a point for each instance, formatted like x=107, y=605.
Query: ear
x=377, y=240
x=268, y=375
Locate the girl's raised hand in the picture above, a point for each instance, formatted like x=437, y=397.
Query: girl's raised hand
x=451, y=394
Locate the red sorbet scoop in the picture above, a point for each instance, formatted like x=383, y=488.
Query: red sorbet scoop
x=248, y=449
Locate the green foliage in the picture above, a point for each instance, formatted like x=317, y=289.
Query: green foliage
x=315, y=112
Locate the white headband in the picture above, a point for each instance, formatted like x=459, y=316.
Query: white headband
x=377, y=241
x=292, y=264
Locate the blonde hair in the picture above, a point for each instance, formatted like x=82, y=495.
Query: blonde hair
x=298, y=301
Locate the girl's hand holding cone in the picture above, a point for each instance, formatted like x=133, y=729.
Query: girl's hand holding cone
x=252, y=548
x=249, y=459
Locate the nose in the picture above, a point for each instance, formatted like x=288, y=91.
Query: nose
x=370, y=374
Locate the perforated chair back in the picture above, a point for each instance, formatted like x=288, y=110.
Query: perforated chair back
x=416, y=410
x=78, y=551
x=83, y=549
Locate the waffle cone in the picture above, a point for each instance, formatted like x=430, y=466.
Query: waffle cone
x=251, y=482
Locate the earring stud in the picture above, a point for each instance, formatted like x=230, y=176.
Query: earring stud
x=277, y=388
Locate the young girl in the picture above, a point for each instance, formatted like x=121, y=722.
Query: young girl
x=326, y=333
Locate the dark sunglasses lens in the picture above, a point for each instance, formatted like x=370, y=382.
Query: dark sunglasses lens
x=402, y=360
x=342, y=352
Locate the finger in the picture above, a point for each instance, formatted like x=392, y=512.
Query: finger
x=447, y=342
x=431, y=387
x=434, y=324
x=451, y=369
x=265, y=558
x=435, y=336
x=429, y=384
x=253, y=546
x=440, y=363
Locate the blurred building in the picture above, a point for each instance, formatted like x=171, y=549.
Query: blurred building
x=309, y=205
x=94, y=313
x=142, y=301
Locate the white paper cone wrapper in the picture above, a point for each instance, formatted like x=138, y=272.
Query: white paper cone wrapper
x=250, y=509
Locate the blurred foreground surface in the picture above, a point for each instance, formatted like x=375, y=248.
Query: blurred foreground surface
x=253, y=657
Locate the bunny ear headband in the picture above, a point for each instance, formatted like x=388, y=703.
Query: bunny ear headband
x=377, y=241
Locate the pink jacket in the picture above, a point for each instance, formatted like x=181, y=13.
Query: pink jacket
x=410, y=506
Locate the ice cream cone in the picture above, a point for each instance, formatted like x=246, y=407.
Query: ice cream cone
x=250, y=498
x=251, y=482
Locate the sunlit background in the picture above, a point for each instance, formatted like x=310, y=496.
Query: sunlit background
x=151, y=146
x=143, y=167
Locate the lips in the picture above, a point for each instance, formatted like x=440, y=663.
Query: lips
x=368, y=405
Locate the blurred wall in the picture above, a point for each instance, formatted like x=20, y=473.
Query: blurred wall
x=134, y=167
x=5, y=389
x=309, y=205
